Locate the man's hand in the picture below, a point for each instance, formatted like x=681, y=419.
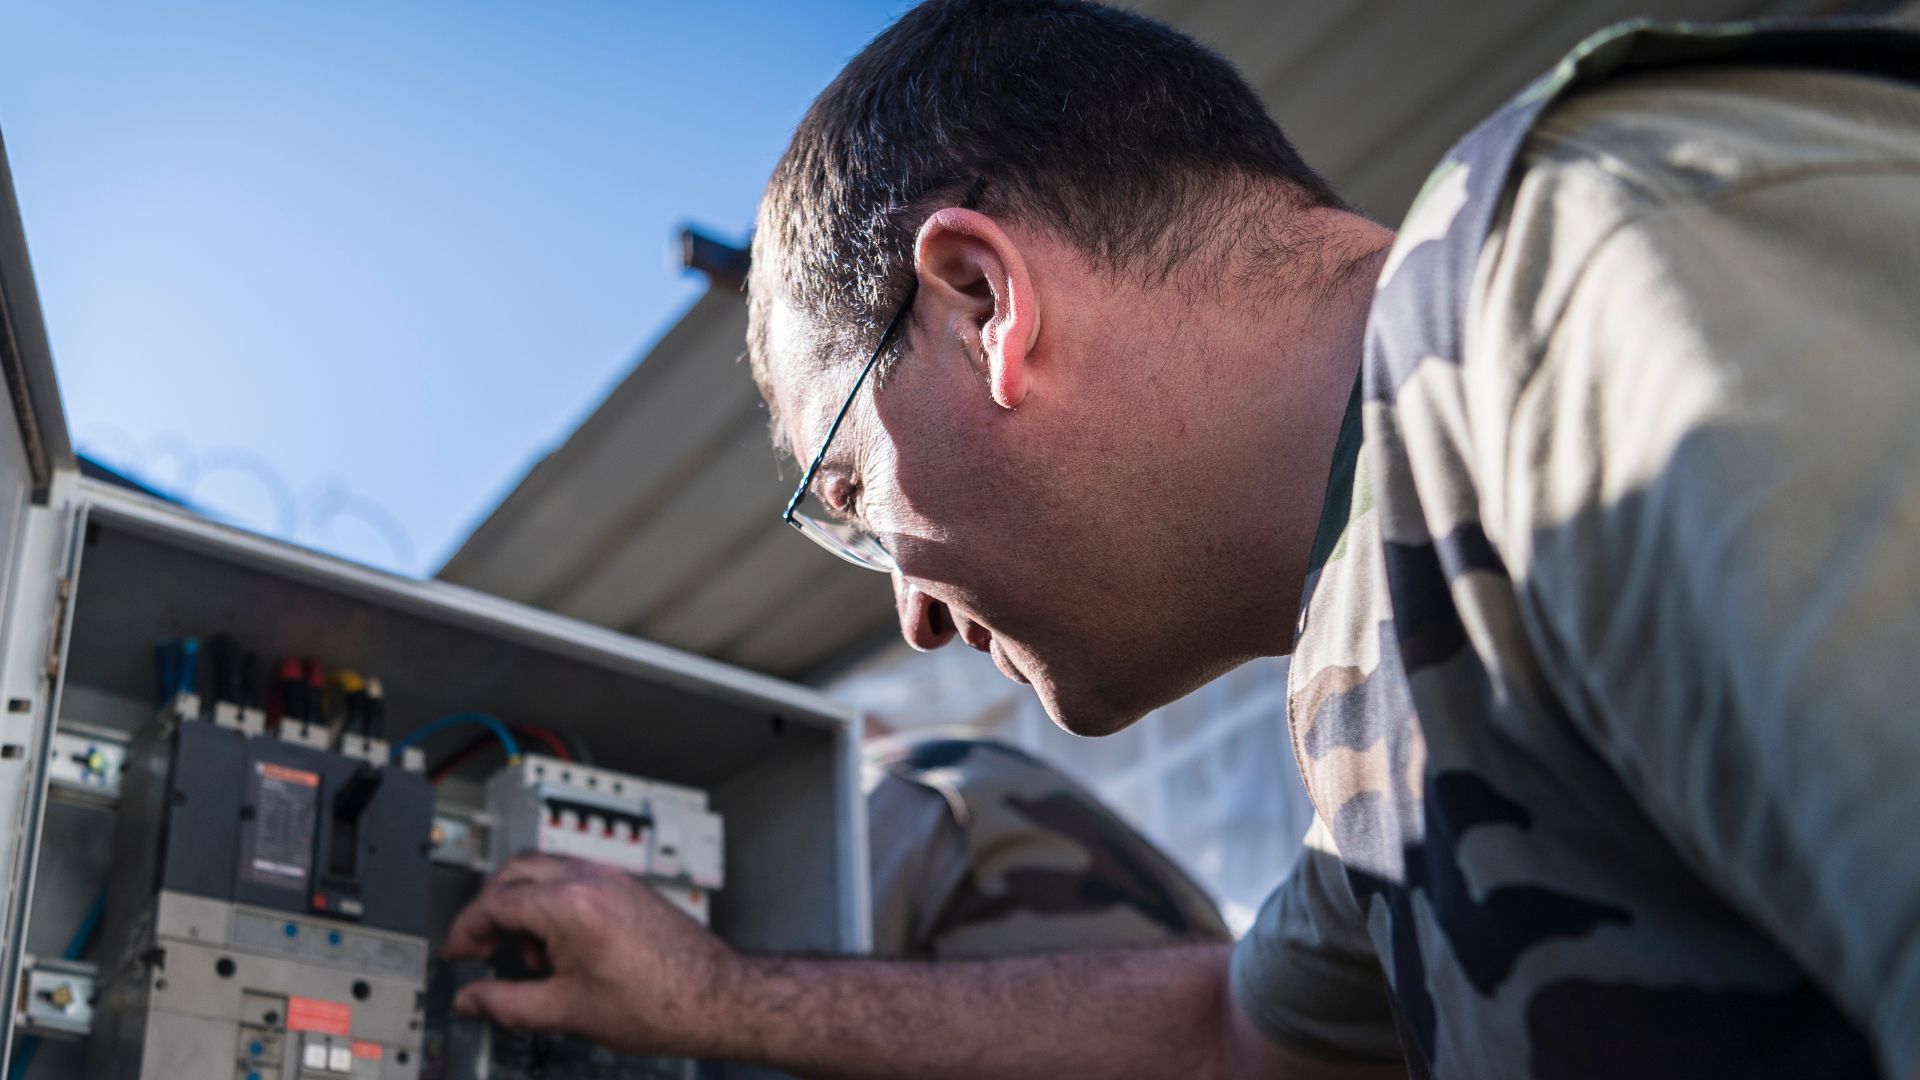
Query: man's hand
x=626, y=969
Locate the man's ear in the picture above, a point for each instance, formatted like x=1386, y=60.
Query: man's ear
x=972, y=273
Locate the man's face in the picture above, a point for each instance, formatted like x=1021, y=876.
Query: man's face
x=1051, y=535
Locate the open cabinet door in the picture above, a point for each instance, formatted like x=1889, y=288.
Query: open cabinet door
x=38, y=545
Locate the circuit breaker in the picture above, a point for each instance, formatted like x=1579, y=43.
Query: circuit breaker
x=271, y=920
x=662, y=833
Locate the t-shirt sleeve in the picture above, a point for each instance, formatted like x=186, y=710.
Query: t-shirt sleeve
x=1306, y=975
x=1712, y=516
x=917, y=856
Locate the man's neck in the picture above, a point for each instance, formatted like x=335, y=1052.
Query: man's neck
x=1286, y=370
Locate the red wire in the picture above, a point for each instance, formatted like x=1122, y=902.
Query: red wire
x=552, y=741
x=453, y=765
x=546, y=738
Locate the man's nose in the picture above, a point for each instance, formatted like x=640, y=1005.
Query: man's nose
x=924, y=622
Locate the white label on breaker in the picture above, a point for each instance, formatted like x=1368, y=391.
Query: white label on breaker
x=278, y=838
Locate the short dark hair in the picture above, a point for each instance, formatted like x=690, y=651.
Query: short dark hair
x=1120, y=134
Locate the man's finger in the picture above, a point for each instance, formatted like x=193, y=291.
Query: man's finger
x=529, y=1006
x=532, y=867
x=499, y=909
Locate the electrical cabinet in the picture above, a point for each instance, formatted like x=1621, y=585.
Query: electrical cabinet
x=750, y=805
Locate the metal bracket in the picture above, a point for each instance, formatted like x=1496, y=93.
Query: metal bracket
x=56, y=998
x=86, y=764
x=463, y=838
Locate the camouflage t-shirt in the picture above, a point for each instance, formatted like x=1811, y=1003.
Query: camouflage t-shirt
x=1607, y=687
x=979, y=850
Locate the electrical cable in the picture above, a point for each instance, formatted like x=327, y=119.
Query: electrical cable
x=89, y=926
x=76, y=948
x=550, y=739
x=461, y=753
x=576, y=746
x=559, y=744
x=434, y=727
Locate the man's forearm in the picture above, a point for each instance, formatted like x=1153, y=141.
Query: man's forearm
x=1148, y=1013
x=630, y=972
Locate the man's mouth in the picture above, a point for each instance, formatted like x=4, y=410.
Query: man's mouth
x=976, y=636
x=979, y=637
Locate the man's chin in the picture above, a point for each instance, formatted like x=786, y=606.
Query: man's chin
x=1080, y=713
x=1099, y=706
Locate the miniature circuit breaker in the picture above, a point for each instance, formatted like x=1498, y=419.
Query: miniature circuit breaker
x=662, y=833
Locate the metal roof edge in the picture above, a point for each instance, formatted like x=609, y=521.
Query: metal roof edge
x=669, y=349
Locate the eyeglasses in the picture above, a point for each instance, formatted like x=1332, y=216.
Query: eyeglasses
x=807, y=512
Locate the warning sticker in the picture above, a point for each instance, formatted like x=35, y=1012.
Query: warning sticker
x=369, y=1051
x=320, y=1015
x=292, y=776
x=276, y=842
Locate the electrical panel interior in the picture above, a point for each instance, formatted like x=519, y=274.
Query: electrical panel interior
x=269, y=788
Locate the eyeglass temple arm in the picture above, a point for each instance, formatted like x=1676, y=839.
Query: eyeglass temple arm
x=886, y=337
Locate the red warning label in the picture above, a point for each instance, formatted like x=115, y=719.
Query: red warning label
x=369, y=1051
x=289, y=776
x=315, y=1014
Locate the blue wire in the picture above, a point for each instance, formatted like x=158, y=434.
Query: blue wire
x=434, y=727
x=23, y=1058
x=189, y=666
x=76, y=948
x=89, y=925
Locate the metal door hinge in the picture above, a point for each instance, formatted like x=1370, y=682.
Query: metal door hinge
x=62, y=592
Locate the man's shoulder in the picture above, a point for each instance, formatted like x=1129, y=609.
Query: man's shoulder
x=1624, y=154
x=1692, y=134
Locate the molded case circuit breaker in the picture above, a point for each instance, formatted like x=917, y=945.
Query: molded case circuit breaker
x=270, y=921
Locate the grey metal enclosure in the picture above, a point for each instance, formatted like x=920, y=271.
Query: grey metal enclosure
x=92, y=576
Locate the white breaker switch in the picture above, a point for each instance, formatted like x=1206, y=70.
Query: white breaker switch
x=663, y=833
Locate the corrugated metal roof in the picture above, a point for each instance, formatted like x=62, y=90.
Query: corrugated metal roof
x=658, y=516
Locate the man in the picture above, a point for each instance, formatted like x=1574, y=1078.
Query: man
x=980, y=850
x=1605, y=564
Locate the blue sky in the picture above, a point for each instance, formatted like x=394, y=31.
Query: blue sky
x=342, y=271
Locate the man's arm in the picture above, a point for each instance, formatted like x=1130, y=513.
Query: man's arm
x=631, y=972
